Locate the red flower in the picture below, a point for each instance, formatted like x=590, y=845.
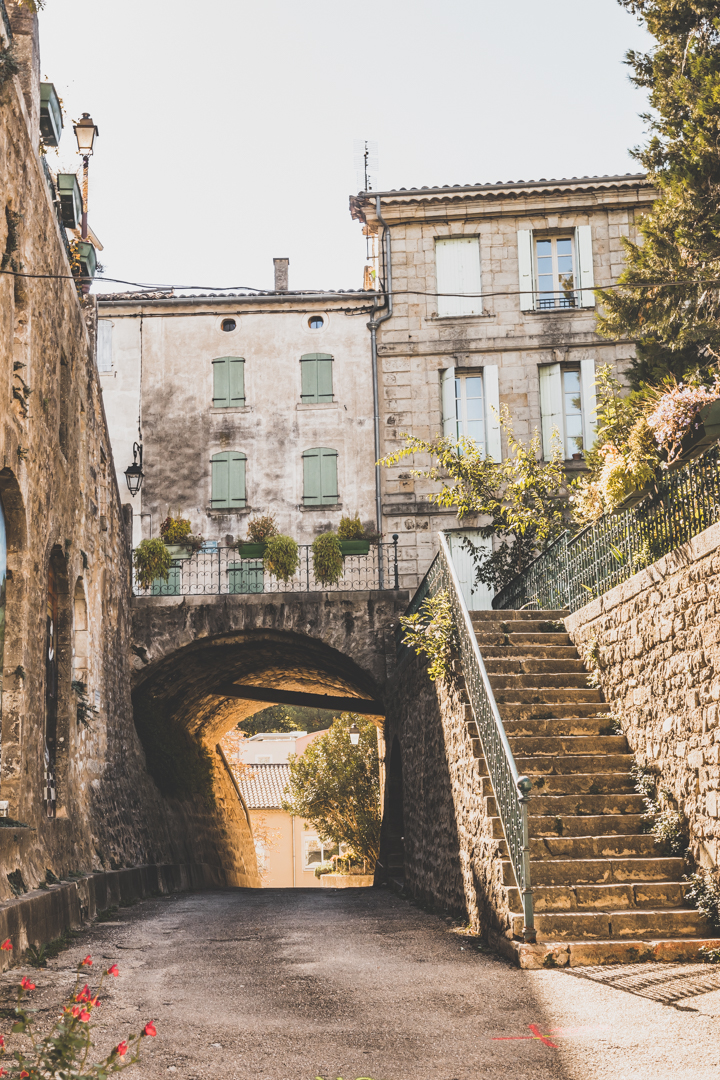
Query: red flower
x=87, y=962
x=23, y=1073
x=2, y=1041
x=76, y=1011
x=3, y=1072
x=6, y=945
x=122, y=1048
x=26, y=984
x=84, y=1016
x=113, y=971
x=149, y=1029
x=84, y=994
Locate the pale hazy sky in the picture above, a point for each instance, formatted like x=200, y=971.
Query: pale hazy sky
x=227, y=128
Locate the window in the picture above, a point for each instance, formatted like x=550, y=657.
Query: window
x=567, y=404
x=320, y=486
x=555, y=271
x=317, y=852
x=316, y=322
x=471, y=407
x=228, y=325
x=104, y=345
x=457, y=265
x=316, y=378
x=228, y=382
x=228, y=480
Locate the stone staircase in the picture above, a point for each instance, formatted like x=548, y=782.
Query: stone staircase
x=603, y=890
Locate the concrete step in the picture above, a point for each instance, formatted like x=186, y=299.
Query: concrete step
x=577, y=805
x=579, y=925
x=530, y=652
x=554, y=745
x=546, y=695
x=489, y=637
x=601, y=871
x=559, y=726
x=526, y=615
x=571, y=764
x=588, y=953
x=594, y=847
x=522, y=710
x=525, y=665
x=580, y=783
x=655, y=895
x=554, y=681
x=591, y=825
x=518, y=626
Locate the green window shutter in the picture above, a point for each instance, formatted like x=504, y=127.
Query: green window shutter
x=237, y=479
x=320, y=486
x=312, y=488
x=324, y=380
x=316, y=370
x=228, y=480
x=220, y=480
x=228, y=381
x=328, y=475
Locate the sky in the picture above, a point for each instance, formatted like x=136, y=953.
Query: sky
x=228, y=128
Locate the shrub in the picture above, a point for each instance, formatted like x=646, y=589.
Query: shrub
x=281, y=557
x=704, y=894
x=676, y=412
x=350, y=528
x=9, y=65
x=430, y=631
x=151, y=560
x=327, y=558
x=262, y=528
x=175, y=530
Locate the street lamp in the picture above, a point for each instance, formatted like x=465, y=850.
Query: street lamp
x=134, y=473
x=354, y=734
x=85, y=132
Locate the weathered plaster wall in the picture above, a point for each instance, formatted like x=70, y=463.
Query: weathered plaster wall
x=659, y=651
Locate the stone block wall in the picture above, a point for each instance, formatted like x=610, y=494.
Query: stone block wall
x=658, y=638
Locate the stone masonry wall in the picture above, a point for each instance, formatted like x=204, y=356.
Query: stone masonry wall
x=658, y=637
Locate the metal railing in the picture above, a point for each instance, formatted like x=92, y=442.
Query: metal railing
x=511, y=790
x=221, y=571
x=576, y=569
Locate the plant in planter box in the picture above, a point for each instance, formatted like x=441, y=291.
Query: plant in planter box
x=327, y=558
x=352, y=536
x=177, y=534
x=151, y=559
x=281, y=557
x=260, y=530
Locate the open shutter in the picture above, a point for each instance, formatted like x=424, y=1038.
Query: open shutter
x=104, y=345
x=308, y=380
x=551, y=408
x=324, y=378
x=589, y=402
x=328, y=475
x=236, y=480
x=493, y=446
x=236, y=380
x=449, y=407
x=220, y=480
x=586, y=277
x=525, y=269
x=457, y=264
x=221, y=383
x=312, y=487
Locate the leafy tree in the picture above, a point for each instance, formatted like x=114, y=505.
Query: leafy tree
x=670, y=299
x=287, y=718
x=519, y=498
x=336, y=787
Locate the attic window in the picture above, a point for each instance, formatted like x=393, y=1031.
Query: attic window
x=316, y=322
x=228, y=325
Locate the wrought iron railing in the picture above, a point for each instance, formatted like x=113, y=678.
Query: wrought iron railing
x=511, y=790
x=221, y=570
x=575, y=569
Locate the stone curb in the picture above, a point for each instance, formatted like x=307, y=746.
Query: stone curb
x=43, y=915
x=561, y=954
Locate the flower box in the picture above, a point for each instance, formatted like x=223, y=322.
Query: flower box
x=70, y=200
x=698, y=439
x=87, y=258
x=347, y=881
x=51, y=121
x=179, y=551
x=633, y=499
x=355, y=547
x=250, y=551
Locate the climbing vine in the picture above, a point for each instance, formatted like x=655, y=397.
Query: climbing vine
x=430, y=631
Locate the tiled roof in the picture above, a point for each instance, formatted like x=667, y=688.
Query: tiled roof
x=264, y=787
x=572, y=181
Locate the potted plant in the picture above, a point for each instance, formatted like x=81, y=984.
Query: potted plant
x=352, y=536
x=177, y=536
x=685, y=420
x=152, y=562
x=281, y=557
x=327, y=558
x=260, y=530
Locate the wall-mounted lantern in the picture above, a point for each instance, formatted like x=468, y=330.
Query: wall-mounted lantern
x=51, y=121
x=85, y=132
x=70, y=200
x=134, y=473
x=354, y=734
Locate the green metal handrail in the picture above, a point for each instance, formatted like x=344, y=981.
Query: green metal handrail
x=576, y=569
x=511, y=790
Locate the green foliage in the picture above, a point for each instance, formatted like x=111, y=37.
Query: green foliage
x=335, y=786
x=151, y=560
x=666, y=825
x=281, y=557
x=704, y=894
x=9, y=65
x=181, y=767
x=286, y=718
x=350, y=528
x=175, y=530
x=519, y=495
x=430, y=631
x=668, y=299
x=708, y=955
x=261, y=528
x=327, y=558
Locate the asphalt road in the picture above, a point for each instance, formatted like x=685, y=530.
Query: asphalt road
x=293, y=985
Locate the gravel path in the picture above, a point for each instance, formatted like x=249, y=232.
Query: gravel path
x=293, y=985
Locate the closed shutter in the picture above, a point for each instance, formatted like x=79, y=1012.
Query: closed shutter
x=551, y=408
x=448, y=402
x=525, y=269
x=316, y=378
x=228, y=480
x=104, y=345
x=584, y=258
x=228, y=381
x=589, y=402
x=320, y=476
x=236, y=373
x=457, y=264
x=493, y=445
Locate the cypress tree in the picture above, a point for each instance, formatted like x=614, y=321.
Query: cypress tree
x=670, y=299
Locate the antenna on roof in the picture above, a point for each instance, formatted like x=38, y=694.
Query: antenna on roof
x=366, y=164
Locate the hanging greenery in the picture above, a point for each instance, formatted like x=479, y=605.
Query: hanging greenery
x=281, y=558
x=327, y=558
x=151, y=560
x=430, y=631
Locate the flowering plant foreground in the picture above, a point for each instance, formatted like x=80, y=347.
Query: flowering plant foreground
x=63, y=1053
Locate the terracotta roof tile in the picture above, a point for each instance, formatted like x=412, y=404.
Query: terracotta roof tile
x=264, y=787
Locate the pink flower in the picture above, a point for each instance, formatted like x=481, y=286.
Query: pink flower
x=6, y=945
x=113, y=971
x=26, y=984
x=87, y=962
x=122, y=1048
x=149, y=1029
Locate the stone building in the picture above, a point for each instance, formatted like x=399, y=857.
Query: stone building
x=491, y=304
x=72, y=769
x=246, y=405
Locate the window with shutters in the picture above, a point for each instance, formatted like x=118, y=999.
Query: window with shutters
x=471, y=407
x=567, y=405
x=228, y=382
x=320, y=486
x=228, y=480
x=457, y=266
x=316, y=378
x=555, y=271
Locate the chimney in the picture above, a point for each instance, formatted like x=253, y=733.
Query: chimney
x=281, y=274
